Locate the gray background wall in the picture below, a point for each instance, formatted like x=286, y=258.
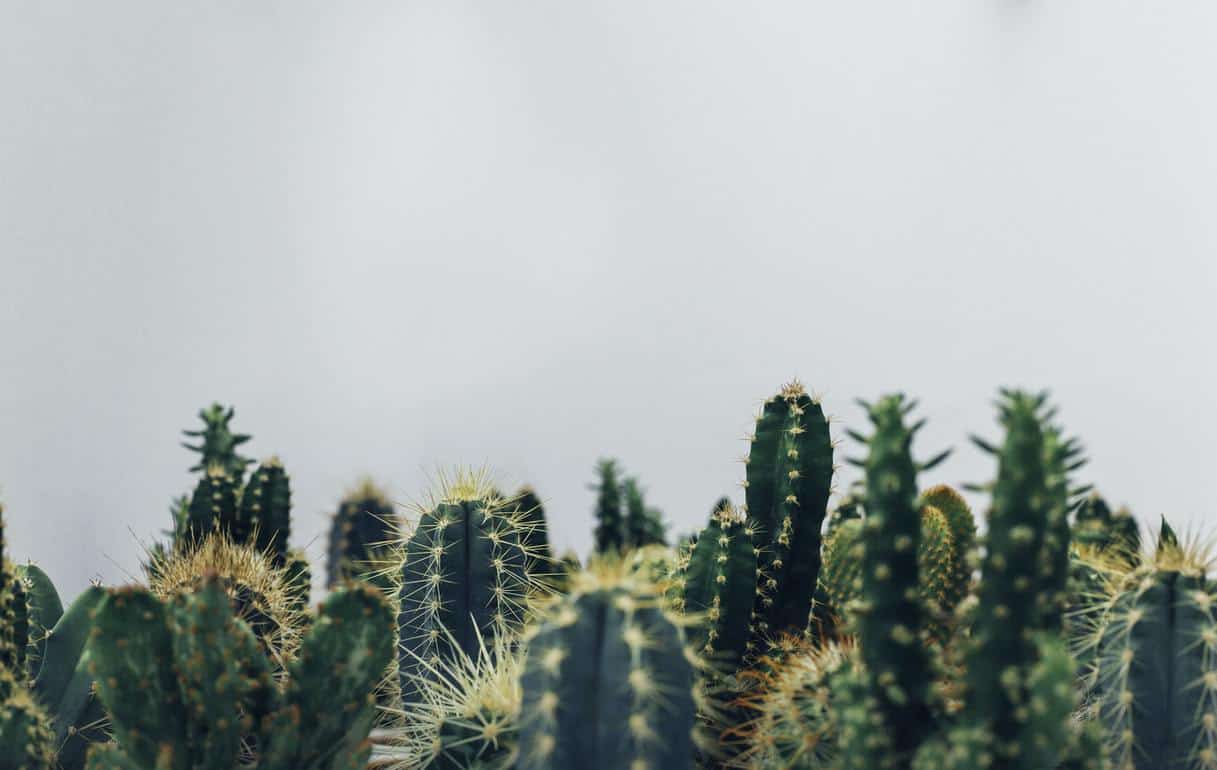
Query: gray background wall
x=405, y=235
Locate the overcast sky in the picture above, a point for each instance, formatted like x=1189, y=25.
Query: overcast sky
x=401, y=236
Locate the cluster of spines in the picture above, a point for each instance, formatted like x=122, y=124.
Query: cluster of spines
x=464, y=575
x=789, y=480
x=609, y=681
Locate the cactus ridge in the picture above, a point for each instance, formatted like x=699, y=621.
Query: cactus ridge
x=719, y=583
x=789, y=480
x=464, y=575
x=608, y=682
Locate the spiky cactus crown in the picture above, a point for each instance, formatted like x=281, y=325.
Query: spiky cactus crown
x=263, y=596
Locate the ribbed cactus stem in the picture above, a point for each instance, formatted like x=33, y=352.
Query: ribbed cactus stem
x=608, y=683
x=610, y=520
x=719, y=585
x=363, y=528
x=789, y=480
x=265, y=510
x=464, y=577
x=213, y=507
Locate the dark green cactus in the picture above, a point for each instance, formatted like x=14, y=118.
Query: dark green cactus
x=218, y=444
x=213, y=507
x=719, y=585
x=892, y=616
x=464, y=577
x=789, y=479
x=536, y=528
x=610, y=522
x=364, y=525
x=265, y=511
x=188, y=687
x=607, y=684
x=643, y=524
x=44, y=609
x=26, y=739
x=1096, y=527
x=1154, y=669
x=963, y=538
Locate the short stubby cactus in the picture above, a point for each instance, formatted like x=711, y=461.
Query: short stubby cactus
x=891, y=617
x=962, y=527
x=364, y=526
x=1154, y=664
x=608, y=683
x=795, y=727
x=789, y=480
x=212, y=507
x=719, y=586
x=464, y=576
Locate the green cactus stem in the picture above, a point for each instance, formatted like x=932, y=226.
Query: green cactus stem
x=607, y=683
x=364, y=525
x=789, y=479
x=217, y=444
x=265, y=515
x=610, y=522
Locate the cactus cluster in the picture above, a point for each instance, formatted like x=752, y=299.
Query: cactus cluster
x=889, y=637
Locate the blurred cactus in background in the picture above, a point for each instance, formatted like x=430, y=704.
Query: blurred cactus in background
x=217, y=444
x=363, y=530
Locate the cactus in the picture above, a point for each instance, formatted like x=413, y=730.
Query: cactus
x=265, y=515
x=218, y=444
x=719, y=584
x=1098, y=528
x=938, y=563
x=962, y=526
x=536, y=529
x=44, y=609
x=795, y=727
x=264, y=597
x=643, y=525
x=892, y=617
x=610, y=524
x=364, y=524
x=789, y=479
x=469, y=713
x=463, y=576
x=188, y=688
x=1154, y=662
x=212, y=508
x=608, y=682
x=26, y=739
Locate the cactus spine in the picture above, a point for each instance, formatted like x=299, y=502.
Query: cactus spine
x=789, y=479
x=608, y=683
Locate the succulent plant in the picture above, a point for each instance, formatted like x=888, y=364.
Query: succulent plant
x=610, y=521
x=217, y=444
x=789, y=479
x=265, y=511
x=464, y=576
x=188, y=686
x=363, y=528
x=608, y=682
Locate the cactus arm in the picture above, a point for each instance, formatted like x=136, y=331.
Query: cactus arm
x=720, y=583
x=328, y=706
x=214, y=506
x=131, y=653
x=610, y=526
x=45, y=609
x=64, y=683
x=789, y=480
x=265, y=508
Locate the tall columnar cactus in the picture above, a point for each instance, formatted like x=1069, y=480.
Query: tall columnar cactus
x=610, y=522
x=188, y=688
x=364, y=525
x=789, y=479
x=464, y=576
x=608, y=683
x=1012, y=653
x=892, y=616
x=1154, y=663
x=719, y=585
x=217, y=444
x=265, y=511
x=536, y=528
x=643, y=524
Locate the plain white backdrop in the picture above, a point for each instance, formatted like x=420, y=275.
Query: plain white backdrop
x=401, y=236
